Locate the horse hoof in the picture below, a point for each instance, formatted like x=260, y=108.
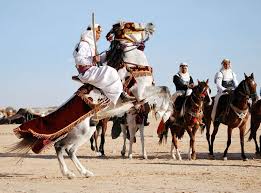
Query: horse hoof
x=145, y=157
x=98, y=154
x=88, y=174
x=245, y=159
x=130, y=156
x=179, y=159
x=70, y=175
x=225, y=158
x=211, y=157
x=123, y=153
x=173, y=157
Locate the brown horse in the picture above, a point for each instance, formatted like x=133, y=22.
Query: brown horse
x=233, y=111
x=190, y=120
x=255, y=123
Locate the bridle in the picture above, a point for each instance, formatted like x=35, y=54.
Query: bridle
x=246, y=91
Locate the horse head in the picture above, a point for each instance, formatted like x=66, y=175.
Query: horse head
x=131, y=32
x=247, y=87
x=201, y=90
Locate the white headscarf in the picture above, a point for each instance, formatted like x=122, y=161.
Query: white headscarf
x=227, y=73
x=87, y=36
x=184, y=76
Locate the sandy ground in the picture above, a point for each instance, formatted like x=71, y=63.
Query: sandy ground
x=160, y=173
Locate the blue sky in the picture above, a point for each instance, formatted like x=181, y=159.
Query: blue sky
x=38, y=37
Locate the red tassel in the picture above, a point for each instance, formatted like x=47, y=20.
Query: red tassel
x=160, y=127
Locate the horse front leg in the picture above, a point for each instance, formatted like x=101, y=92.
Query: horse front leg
x=189, y=131
x=242, y=134
x=141, y=128
x=132, y=131
x=229, y=134
x=175, y=144
x=124, y=135
x=194, y=131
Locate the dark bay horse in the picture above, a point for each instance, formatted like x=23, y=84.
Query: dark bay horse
x=255, y=123
x=187, y=116
x=101, y=126
x=233, y=111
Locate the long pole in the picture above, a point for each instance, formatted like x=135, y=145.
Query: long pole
x=94, y=34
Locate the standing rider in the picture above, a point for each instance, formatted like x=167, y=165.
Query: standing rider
x=105, y=77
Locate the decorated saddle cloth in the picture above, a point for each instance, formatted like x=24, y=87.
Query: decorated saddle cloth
x=45, y=130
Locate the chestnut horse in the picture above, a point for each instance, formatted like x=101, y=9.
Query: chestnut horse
x=255, y=123
x=190, y=120
x=233, y=111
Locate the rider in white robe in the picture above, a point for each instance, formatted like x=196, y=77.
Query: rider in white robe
x=225, y=80
x=104, y=77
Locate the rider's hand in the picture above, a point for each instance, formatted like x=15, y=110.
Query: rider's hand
x=96, y=59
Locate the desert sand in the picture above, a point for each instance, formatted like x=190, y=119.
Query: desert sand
x=113, y=174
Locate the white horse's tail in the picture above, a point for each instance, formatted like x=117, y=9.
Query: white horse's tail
x=21, y=147
x=112, y=110
x=160, y=99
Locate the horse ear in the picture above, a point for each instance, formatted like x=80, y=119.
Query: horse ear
x=207, y=81
x=198, y=81
x=245, y=75
x=252, y=75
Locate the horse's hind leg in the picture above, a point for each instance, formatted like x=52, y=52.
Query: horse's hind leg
x=77, y=163
x=104, y=128
x=253, y=129
x=208, y=123
x=144, y=154
x=229, y=134
x=213, y=136
x=59, y=148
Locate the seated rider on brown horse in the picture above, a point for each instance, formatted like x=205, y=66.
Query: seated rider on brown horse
x=183, y=83
x=225, y=80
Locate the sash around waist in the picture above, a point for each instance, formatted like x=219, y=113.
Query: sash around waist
x=83, y=68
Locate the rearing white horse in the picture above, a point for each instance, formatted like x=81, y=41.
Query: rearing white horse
x=127, y=56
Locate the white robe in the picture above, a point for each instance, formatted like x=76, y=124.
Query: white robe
x=225, y=75
x=105, y=78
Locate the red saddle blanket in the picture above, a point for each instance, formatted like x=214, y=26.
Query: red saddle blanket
x=45, y=130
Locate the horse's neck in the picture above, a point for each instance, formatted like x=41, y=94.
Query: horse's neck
x=195, y=102
x=135, y=56
x=239, y=99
